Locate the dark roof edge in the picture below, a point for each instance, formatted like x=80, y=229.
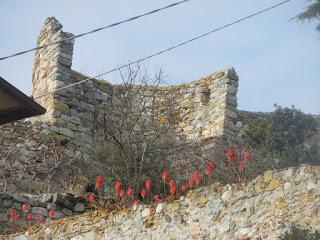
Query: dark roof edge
x=24, y=100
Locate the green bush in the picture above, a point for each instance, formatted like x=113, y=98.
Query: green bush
x=280, y=134
x=299, y=233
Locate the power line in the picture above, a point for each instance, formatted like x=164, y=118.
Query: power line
x=168, y=49
x=97, y=29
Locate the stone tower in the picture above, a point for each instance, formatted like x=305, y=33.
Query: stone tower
x=52, y=65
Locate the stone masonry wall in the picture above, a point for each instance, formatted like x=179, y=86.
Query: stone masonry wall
x=210, y=102
x=260, y=209
x=63, y=204
x=207, y=107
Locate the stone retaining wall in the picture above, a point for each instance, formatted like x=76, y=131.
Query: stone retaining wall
x=62, y=204
x=261, y=209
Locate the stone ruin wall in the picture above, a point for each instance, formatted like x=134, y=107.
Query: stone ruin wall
x=208, y=105
x=261, y=209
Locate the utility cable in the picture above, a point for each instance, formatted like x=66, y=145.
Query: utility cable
x=96, y=30
x=168, y=49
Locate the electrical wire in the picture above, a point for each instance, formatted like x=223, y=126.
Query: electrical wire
x=96, y=30
x=168, y=49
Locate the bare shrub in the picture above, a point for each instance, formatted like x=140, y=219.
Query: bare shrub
x=47, y=171
x=138, y=139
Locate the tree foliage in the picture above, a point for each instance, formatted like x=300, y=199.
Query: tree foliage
x=299, y=233
x=312, y=12
x=280, y=136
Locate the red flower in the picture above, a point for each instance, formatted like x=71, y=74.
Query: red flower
x=38, y=218
x=13, y=214
x=171, y=183
x=129, y=192
x=197, y=177
x=246, y=155
x=169, y=197
x=184, y=187
x=99, y=182
x=122, y=193
x=156, y=198
x=241, y=165
x=29, y=216
x=136, y=202
x=173, y=190
x=26, y=207
x=210, y=168
x=43, y=222
x=165, y=175
x=51, y=212
x=191, y=182
x=91, y=197
x=143, y=193
x=231, y=154
x=148, y=183
x=118, y=186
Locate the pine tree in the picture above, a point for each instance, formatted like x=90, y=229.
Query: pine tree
x=312, y=12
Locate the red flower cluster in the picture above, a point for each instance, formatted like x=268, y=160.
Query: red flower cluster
x=165, y=175
x=191, y=182
x=156, y=198
x=184, y=187
x=25, y=207
x=122, y=193
x=210, y=168
x=246, y=155
x=148, y=184
x=29, y=216
x=143, y=193
x=118, y=186
x=130, y=192
x=136, y=202
x=241, y=165
x=91, y=197
x=171, y=183
x=38, y=218
x=172, y=186
x=51, y=212
x=197, y=177
x=99, y=182
x=231, y=154
x=13, y=214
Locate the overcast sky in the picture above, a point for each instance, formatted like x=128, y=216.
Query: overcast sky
x=276, y=59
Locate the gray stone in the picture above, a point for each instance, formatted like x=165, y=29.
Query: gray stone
x=66, y=131
x=67, y=212
x=17, y=206
x=79, y=207
x=159, y=208
x=145, y=212
x=214, y=207
x=20, y=199
x=20, y=237
x=61, y=201
x=39, y=210
x=311, y=186
x=3, y=218
x=7, y=203
x=226, y=196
